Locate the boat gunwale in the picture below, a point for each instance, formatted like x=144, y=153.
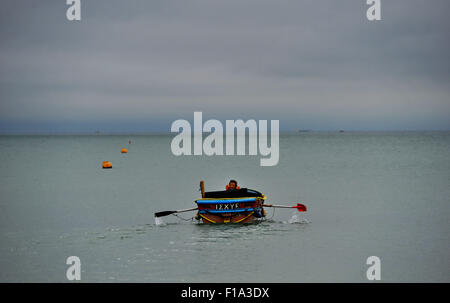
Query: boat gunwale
x=224, y=211
x=227, y=200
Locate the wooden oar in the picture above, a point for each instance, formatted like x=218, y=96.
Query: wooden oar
x=299, y=207
x=169, y=212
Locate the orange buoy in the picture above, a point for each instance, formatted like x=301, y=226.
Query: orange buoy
x=123, y=150
x=107, y=164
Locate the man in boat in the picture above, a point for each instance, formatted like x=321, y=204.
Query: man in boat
x=232, y=185
x=257, y=212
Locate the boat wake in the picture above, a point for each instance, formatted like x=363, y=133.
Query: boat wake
x=297, y=219
x=159, y=221
x=294, y=219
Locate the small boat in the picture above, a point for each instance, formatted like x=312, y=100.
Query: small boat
x=231, y=206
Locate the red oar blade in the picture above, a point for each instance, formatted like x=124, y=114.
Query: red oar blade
x=300, y=207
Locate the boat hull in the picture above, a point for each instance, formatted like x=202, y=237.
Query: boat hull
x=228, y=218
x=230, y=210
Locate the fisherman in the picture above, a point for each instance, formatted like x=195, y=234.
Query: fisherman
x=232, y=185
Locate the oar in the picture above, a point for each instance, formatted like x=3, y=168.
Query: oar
x=299, y=207
x=169, y=212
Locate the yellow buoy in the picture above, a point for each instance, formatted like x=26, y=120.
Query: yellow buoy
x=107, y=164
x=123, y=150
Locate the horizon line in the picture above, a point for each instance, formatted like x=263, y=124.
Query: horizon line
x=112, y=133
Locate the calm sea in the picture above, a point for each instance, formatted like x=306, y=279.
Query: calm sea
x=368, y=194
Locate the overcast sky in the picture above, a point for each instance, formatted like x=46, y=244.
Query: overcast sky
x=139, y=65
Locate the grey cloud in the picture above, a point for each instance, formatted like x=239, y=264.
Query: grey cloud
x=316, y=62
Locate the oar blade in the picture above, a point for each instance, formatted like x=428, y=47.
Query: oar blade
x=300, y=207
x=164, y=213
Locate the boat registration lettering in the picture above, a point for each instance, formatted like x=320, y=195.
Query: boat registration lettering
x=225, y=206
